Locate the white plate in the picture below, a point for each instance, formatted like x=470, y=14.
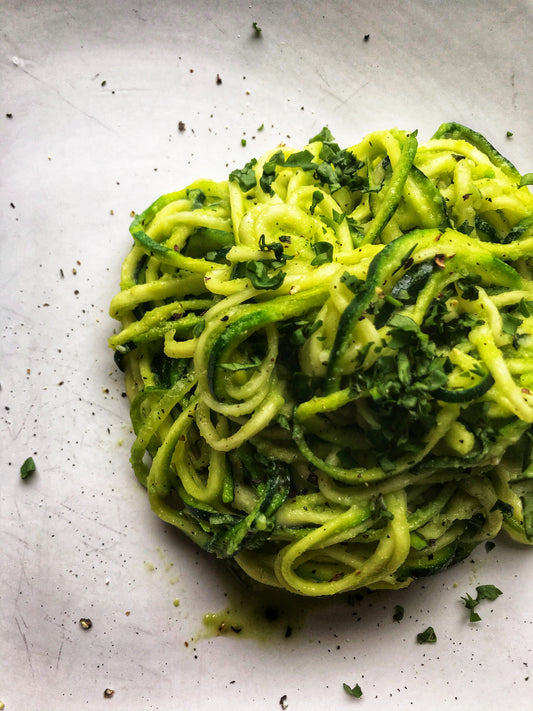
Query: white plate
x=96, y=91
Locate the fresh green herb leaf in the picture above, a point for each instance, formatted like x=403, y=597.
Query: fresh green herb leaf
x=526, y=179
x=233, y=367
x=324, y=135
x=324, y=253
x=484, y=592
x=428, y=636
x=257, y=272
x=28, y=468
x=510, y=323
x=338, y=217
x=398, y=613
x=317, y=197
x=245, y=176
x=353, y=283
x=354, y=691
x=197, y=198
x=488, y=592
x=243, y=141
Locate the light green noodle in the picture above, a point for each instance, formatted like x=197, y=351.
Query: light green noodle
x=329, y=359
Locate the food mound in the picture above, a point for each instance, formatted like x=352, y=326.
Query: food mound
x=329, y=358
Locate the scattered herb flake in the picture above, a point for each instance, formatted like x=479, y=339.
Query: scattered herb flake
x=243, y=141
x=28, y=468
x=257, y=29
x=354, y=691
x=484, y=592
x=428, y=636
x=398, y=613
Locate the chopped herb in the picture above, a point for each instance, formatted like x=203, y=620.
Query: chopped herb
x=261, y=127
x=398, y=613
x=509, y=134
x=28, y=468
x=241, y=366
x=354, y=691
x=245, y=176
x=352, y=282
x=257, y=272
x=428, y=636
x=197, y=198
x=257, y=29
x=488, y=592
x=243, y=141
x=317, y=197
x=526, y=179
x=324, y=253
x=484, y=592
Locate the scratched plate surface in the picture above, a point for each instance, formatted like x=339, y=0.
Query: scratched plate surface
x=91, y=98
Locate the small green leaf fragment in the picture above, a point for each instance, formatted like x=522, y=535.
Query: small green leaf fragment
x=488, y=592
x=28, y=468
x=354, y=691
x=398, y=613
x=257, y=29
x=428, y=636
x=526, y=179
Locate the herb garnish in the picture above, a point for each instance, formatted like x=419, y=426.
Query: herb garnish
x=484, y=592
x=398, y=613
x=28, y=468
x=354, y=691
x=428, y=636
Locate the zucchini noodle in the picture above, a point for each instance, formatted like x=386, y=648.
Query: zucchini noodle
x=329, y=359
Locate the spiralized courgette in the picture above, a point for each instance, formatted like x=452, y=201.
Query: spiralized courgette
x=329, y=359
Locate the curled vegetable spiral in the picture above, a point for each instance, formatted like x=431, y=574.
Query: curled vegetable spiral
x=329, y=358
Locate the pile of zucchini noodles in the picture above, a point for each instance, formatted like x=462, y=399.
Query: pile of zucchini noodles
x=329, y=359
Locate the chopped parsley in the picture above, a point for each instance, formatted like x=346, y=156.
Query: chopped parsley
x=398, y=613
x=245, y=176
x=484, y=592
x=428, y=636
x=28, y=468
x=354, y=691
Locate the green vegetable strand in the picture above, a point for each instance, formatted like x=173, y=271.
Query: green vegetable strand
x=329, y=360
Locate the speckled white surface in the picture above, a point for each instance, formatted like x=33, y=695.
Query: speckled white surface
x=91, y=94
